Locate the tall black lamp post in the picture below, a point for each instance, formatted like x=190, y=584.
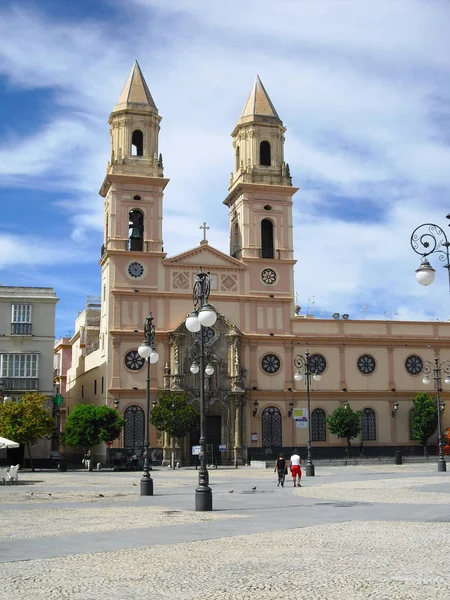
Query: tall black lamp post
x=306, y=368
x=147, y=351
x=434, y=369
x=428, y=239
x=202, y=316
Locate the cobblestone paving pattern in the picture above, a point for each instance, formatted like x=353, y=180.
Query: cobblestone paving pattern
x=15, y=524
x=349, y=560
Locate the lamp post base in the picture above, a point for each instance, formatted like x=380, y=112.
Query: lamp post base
x=146, y=486
x=310, y=470
x=442, y=465
x=203, y=498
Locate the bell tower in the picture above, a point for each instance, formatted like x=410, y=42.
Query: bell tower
x=260, y=196
x=134, y=182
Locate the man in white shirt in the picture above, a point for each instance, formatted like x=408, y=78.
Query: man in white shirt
x=296, y=470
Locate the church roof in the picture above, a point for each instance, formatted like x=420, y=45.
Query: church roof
x=135, y=91
x=258, y=102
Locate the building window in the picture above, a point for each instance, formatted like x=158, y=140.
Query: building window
x=266, y=239
x=134, y=361
x=271, y=427
x=264, y=154
x=414, y=365
x=318, y=425
x=368, y=426
x=270, y=363
x=134, y=427
x=21, y=319
x=103, y=380
x=95, y=387
x=317, y=364
x=82, y=391
x=366, y=364
x=19, y=365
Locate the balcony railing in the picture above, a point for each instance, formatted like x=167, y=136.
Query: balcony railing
x=20, y=328
x=25, y=384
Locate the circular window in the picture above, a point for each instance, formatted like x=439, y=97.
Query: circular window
x=270, y=363
x=317, y=364
x=134, y=361
x=208, y=335
x=137, y=197
x=268, y=276
x=414, y=365
x=366, y=364
x=135, y=269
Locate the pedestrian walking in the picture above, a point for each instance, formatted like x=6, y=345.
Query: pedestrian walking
x=296, y=468
x=281, y=469
x=87, y=460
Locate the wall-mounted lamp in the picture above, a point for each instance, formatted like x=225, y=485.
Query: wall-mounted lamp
x=395, y=409
x=155, y=402
x=344, y=389
x=442, y=407
x=116, y=404
x=291, y=409
x=255, y=407
x=347, y=404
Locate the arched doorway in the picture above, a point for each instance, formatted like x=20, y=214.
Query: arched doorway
x=134, y=429
x=271, y=427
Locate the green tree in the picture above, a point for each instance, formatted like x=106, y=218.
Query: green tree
x=26, y=420
x=424, y=418
x=345, y=423
x=88, y=425
x=174, y=415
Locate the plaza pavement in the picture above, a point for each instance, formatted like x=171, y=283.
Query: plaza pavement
x=378, y=532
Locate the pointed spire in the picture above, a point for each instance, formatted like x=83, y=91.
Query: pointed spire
x=135, y=91
x=258, y=102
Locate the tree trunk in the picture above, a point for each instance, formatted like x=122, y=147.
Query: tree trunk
x=173, y=452
x=30, y=457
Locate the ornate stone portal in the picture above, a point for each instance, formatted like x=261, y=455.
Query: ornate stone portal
x=224, y=389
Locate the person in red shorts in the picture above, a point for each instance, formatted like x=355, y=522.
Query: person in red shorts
x=296, y=468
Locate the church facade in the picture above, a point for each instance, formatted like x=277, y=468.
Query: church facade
x=256, y=342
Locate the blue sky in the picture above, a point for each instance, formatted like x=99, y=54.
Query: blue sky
x=362, y=87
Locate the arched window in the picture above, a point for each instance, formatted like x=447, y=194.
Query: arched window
x=266, y=238
x=238, y=159
x=368, y=426
x=271, y=427
x=318, y=425
x=134, y=427
x=264, y=154
x=137, y=143
x=136, y=230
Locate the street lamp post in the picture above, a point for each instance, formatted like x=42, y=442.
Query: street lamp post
x=202, y=316
x=147, y=351
x=303, y=363
x=434, y=369
x=428, y=239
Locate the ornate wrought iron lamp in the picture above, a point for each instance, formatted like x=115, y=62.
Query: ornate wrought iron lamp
x=305, y=367
x=433, y=370
x=395, y=409
x=202, y=316
x=147, y=351
x=428, y=239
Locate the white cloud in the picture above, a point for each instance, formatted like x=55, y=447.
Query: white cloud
x=362, y=88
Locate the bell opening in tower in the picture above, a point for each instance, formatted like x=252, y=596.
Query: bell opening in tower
x=264, y=154
x=137, y=143
x=136, y=230
x=266, y=239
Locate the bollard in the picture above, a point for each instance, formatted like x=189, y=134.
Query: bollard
x=99, y=466
x=398, y=457
x=178, y=465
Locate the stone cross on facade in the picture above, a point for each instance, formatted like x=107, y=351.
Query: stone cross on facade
x=205, y=228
